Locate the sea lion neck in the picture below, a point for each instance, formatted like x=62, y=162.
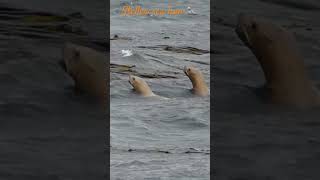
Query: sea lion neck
x=282, y=66
x=147, y=90
x=142, y=88
x=198, y=82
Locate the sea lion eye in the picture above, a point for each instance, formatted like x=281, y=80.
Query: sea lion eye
x=254, y=26
x=133, y=78
x=188, y=69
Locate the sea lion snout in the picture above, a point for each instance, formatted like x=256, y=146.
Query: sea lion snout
x=132, y=79
x=140, y=86
x=189, y=70
x=245, y=25
x=185, y=70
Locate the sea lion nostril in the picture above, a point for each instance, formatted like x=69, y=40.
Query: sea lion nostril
x=254, y=25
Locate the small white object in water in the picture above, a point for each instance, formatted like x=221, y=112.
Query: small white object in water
x=190, y=11
x=126, y=53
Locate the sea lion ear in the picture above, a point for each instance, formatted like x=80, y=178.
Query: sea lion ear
x=76, y=54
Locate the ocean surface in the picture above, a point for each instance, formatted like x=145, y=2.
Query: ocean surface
x=254, y=140
x=154, y=138
x=47, y=131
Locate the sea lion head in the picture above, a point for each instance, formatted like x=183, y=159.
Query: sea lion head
x=88, y=69
x=197, y=80
x=71, y=59
x=274, y=47
x=278, y=54
x=140, y=86
x=192, y=72
x=261, y=36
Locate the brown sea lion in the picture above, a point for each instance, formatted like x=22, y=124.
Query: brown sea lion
x=199, y=85
x=140, y=86
x=88, y=68
x=276, y=50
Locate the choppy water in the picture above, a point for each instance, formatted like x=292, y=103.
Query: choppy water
x=254, y=140
x=47, y=131
x=160, y=138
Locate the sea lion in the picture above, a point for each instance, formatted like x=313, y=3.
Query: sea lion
x=199, y=85
x=88, y=68
x=140, y=86
x=276, y=50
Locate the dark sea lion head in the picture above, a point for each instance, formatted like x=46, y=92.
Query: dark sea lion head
x=274, y=47
x=262, y=36
x=71, y=58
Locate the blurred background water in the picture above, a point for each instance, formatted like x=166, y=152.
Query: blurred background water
x=253, y=139
x=47, y=131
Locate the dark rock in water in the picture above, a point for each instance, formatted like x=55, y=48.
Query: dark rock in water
x=155, y=76
x=166, y=37
x=126, y=69
x=188, y=50
x=116, y=37
x=193, y=150
x=121, y=68
x=77, y=15
x=167, y=48
x=309, y=29
x=166, y=152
